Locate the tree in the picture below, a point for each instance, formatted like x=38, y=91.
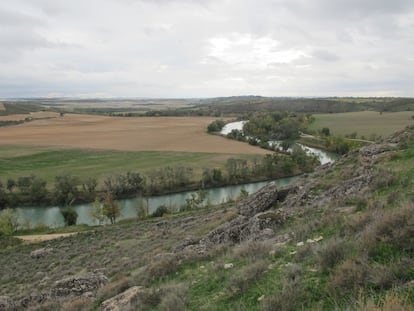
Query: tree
x=70, y=215
x=96, y=211
x=89, y=187
x=195, y=200
x=325, y=131
x=66, y=189
x=38, y=191
x=242, y=195
x=215, y=126
x=8, y=221
x=111, y=208
x=142, y=207
x=11, y=183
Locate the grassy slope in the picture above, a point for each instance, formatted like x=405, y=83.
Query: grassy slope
x=365, y=123
x=366, y=255
x=47, y=163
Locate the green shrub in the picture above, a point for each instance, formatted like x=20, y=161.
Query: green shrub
x=349, y=277
x=8, y=221
x=241, y=281
x=160, y=211
x=70, y=216
x=112, y=289
x=252, y=250
x=291, y=296
x=332, y=253
x=175, y=297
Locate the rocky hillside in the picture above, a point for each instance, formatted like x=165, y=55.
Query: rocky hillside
x=339, y=238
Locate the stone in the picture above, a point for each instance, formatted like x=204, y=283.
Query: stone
x=122, y=301
x=300, y=244
x=79, y=285
x=7, y=304
x=35, y=298
x=319, y=238
x=41, y=252
x=186, y=242
x=259, y=201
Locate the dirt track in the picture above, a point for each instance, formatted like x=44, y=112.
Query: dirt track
x=43, y=237
x=186, y=134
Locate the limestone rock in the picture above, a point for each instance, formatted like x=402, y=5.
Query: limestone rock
x=35, y=298
x=259, y=201
x=186, y=242
x=79, y=285
x=41, y=252
x=123, y=301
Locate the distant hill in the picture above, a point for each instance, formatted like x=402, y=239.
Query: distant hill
x=246, y=104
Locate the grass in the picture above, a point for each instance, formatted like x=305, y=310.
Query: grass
x=46, y=163
x=365, y=123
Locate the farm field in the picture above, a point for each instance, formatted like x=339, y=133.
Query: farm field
x=33, y=115
x=183, y=134
x=96, y=146
x=365, y=123
x=16, y=161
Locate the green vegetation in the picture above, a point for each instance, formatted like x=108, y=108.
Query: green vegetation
x=47, y=163
x=367, y=124
x=70, y=215
x=218, y=107
x=11, y=108
x=215, y=126
x=346, y=252
x=68, y=189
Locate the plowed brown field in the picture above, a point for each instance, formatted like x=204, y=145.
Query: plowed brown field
x=186, y=134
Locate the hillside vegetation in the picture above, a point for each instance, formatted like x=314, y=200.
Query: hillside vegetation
x=340, y=238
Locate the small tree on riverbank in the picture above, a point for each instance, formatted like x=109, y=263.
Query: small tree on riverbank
x=111, y=208
x=8, y=221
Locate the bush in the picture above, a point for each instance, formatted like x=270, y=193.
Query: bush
x=160, y=211
x=215, y=126
x=240, y=282
x=390, y=231
x=391, y=302
x=160, y=267
x=332, y=253
x=175, y=297
x=252, y=250
x=349, y=277
x=70, y=216
x=292, y=293
x=8, y=222
x=112, y=289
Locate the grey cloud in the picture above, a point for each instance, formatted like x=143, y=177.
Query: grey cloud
x=10, y=19
x=163, y=48
x=325, y=55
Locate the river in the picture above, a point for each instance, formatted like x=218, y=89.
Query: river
x=323, y=156
x=52, y=217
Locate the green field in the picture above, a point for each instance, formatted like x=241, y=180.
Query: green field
x=365, y=123
x=16, y=161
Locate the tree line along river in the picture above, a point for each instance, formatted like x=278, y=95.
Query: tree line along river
x=52, y=217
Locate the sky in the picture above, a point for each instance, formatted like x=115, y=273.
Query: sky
x=206, y=48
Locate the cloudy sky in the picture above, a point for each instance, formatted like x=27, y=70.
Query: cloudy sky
x=206, y=48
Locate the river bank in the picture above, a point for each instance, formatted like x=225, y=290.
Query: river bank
x=52, y=217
